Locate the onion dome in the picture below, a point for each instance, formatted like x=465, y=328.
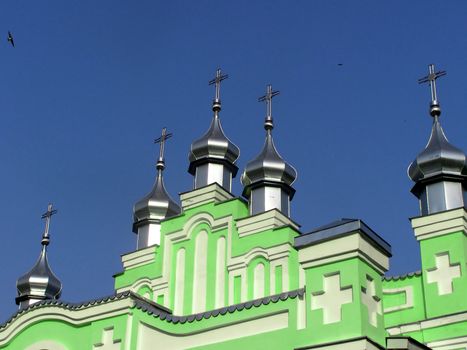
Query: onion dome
x=213, y=145
x=157, y=204
x=438, y=158
x=440, y=170
x=40, y=283
x=269, y=166
x=268, y=178
x=213, y=156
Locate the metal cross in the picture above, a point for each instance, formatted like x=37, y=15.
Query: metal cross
x=161, y=140
x=431, y=79
x=47, y=216
x=268, y=98
x=217, y=81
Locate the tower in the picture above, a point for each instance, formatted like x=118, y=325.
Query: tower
x=268, y=179
x=39, y=283
x=440, y=175
x=440, y=170
x=213, y=156
x=155, y=206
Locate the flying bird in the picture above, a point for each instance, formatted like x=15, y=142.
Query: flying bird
x=10, y=39
x=340, y=64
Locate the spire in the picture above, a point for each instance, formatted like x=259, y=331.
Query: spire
x=213, y=156
x=39, y=283
x=156, y=205
x=440, y=170
x=268, y=178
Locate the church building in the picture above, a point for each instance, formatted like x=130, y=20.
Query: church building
x=214, y=270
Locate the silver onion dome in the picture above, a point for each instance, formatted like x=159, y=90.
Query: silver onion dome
x=268, y=178
x=40, y=283
x=268, y=166
x=214, y=145
x=440, y=170
x=438, y=158
x=157, y=204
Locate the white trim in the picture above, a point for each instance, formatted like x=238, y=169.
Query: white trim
x=220, y=272
x=46, y=345
x=89, y=314
x=268, y=220
x=139, y=258
x=448, y=344
x=431, y=323
x=409, y=300
x=148, y=336
x=200, y=279
x=440, y=224
x=342, y=248
x=213, y=193
x=179, y=282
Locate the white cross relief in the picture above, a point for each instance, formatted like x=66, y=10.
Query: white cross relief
x=108, y=342
x=372, y=302
x=443, y=273
x=332, y=298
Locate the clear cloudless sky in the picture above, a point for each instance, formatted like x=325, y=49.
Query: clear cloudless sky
x=91, y=83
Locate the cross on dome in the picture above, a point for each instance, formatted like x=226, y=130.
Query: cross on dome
x=332, y=298
x=217, y=82
x=268, y=124
x=443, y=274
x=435, y=110
x=47, y=216
x=161, y=140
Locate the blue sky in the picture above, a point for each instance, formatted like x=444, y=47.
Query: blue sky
x=91, y=83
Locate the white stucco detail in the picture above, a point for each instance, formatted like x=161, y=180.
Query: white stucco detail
x=409, y=299
x=431, y=323
x=443, y=273
x=301, y=307
x=332, y=298
x=148, y=336
x=46, y=345
x=358, y=344
x=449, y=344
x=258, y=281
x=440, y=224
x=138, y=258
x=179, y=282
x=343, y=248
x=371, y=301
x=108, y=342
x=268, y=220
x=80, y=316
x=200, y=270
x=213, y=193
x=220, y=273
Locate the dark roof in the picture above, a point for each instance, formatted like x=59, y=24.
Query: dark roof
x=339, y=228
x=157, y=310
x=401, y=277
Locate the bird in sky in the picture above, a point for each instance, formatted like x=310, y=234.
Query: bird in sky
x=10, y=39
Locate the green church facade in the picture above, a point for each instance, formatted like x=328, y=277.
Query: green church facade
x=226, y=272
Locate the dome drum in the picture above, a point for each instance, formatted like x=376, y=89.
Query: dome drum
x=440, y=193
x=209, y=170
